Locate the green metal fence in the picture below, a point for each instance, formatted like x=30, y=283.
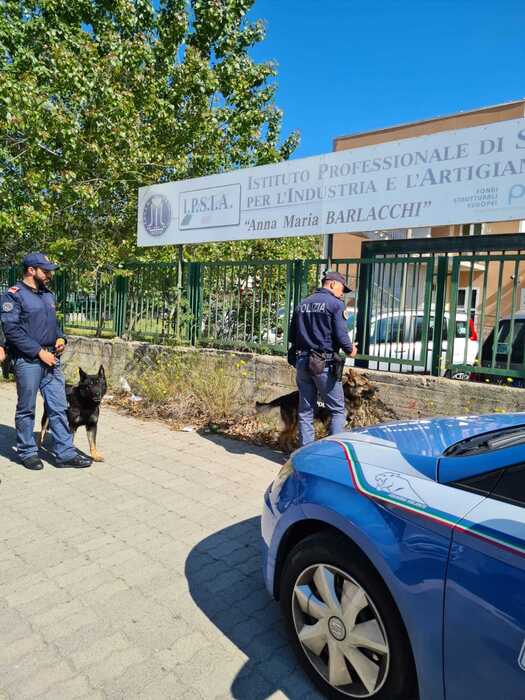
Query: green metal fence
x=411, y=313
x=86, y=300
x=243, y=304
x=494, y=287
x=136, y=301
x=477, y=313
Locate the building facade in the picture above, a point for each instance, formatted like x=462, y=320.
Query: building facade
x=496, y=284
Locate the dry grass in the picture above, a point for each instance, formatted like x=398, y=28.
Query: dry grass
x=194, y=390
x=189, y=389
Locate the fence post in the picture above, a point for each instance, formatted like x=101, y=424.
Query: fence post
x=120, y=302
x=60, y=287
x=439, y=317
x=289, y=300
x=195, y=301
x=303, y=290
x=453, y=307
x=12, y=276
x=364, y=307
x=297, y=282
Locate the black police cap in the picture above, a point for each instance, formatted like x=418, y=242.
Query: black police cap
x=334, y=276
x=38, y=260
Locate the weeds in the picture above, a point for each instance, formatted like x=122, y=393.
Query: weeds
x=202, y=391
x=159, y=379
x=191, y=389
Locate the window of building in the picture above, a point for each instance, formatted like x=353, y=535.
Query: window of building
x=462, y=300
x=471, y=229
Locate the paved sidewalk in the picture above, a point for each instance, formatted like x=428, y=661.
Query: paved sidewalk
x=139, y=577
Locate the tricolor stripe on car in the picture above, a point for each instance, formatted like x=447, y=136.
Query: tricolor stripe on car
x=366, y=489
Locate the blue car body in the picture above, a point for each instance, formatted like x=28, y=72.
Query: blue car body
x=450, y=550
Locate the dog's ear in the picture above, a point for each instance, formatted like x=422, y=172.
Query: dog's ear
x=101, y=371
x=82, y=374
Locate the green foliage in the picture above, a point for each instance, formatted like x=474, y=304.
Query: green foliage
x=99, y=97
x=268, y=249
x=191, y=387
x=155, y=380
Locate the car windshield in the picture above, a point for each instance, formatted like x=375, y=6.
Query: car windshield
x=461, y=329
x=510, y=340
x=415, y=333
x=350, y=321
x=388, y=330
x=496, y=440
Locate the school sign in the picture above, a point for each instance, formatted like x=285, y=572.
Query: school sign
x=466, y=176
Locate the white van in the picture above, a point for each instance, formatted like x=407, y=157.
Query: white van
x=398, y=336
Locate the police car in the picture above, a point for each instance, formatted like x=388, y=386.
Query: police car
x=398, y=555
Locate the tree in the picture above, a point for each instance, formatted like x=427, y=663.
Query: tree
x=99, y=97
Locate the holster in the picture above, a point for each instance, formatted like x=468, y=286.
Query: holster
x=292, y=356
x=338, y=366
x=316, y=362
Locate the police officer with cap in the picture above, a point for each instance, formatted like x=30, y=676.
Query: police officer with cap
x=35, y=341
x=318, y=332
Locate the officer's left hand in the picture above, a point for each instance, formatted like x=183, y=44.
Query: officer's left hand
x=59, y=346
x=2, y=354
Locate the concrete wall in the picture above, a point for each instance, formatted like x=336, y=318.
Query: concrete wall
x=267, y=377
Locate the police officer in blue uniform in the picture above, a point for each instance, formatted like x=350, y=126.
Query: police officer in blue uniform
x=318, y=332
x=35, y=341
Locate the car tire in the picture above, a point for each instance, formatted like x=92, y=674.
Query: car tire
x=327, y=557
x=458, y=376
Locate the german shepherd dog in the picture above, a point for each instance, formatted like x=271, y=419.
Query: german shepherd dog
x=356, y=387
x=83, y=401
x=8, y=366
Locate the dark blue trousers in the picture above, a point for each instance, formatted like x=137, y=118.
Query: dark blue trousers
x=31, y=376
x=329, y=390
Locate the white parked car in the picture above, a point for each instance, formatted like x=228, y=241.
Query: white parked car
x=398, y=336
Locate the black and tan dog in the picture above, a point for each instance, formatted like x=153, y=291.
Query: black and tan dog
x=83, y=408
x=356, y=387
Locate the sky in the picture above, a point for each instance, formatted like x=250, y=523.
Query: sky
x=346, y=66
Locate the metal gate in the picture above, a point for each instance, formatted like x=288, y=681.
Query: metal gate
x=477, y=313
x=498, y=316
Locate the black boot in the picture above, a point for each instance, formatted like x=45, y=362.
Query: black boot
x=78, y=462
x=34, y=462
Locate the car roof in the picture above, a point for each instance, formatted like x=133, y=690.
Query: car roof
x=460, y=315
x=432, y=437
x=518, y=316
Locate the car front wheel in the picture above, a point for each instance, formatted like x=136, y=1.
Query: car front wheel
x=343, y=623
x=460, y=376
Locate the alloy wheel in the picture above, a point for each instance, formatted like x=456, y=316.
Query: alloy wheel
x=340, y=631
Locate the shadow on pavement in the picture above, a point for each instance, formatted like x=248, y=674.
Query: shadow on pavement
x=224, y=573
x=7, y=443
x=240, y=447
